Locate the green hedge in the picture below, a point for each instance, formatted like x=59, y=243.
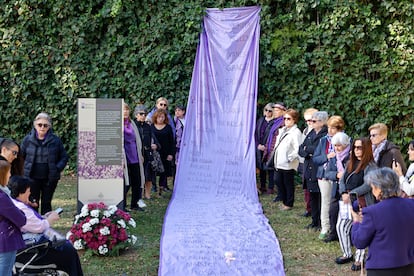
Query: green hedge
x=351, y=58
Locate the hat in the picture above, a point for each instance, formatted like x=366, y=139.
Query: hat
x=280, y=106
x=182, y=107
x=140, y=108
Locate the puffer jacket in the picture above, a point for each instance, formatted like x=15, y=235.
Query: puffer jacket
x=52, y=146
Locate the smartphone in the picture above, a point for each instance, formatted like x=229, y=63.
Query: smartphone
x=59, y=210
x=354, y=201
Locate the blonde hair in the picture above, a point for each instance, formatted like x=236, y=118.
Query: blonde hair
x=382, y=128
x=309, y=111
x=162, y=99
x=337, y=122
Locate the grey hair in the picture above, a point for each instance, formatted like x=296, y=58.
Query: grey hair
x=321, y=115
x=43, y=115
x=386, y=180
x=341, y=138
x=268, y=106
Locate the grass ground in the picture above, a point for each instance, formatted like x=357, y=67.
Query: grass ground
x=303, y=252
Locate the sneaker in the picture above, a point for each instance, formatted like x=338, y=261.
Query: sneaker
x=141, y=204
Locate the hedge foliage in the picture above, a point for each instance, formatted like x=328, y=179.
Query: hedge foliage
x=351, y=58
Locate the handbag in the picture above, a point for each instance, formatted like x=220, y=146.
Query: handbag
x=156, y=162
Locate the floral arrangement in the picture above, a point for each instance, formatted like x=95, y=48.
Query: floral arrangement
x=102, y=230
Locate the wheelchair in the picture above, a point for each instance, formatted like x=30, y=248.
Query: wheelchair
x=35, y=250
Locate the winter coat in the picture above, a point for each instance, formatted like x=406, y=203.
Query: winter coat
x=306, y=150
x=52, y=147
x=286, y=155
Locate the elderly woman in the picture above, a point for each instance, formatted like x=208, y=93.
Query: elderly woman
x=306, y=150
x=261, y=133
x=333, y=172
x=64, y=256
x=385, y=152
x=44, y=160
x=324, y=152
x=286, y=158
x=407, y=181
x=386, y=227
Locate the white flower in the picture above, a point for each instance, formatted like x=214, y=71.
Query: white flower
x=107, y=214
x=86, y=227
x=133, y=239
x=103, y=249
x=84, y=211
x=112, y=209
x=78, y=244
x=94, y=221
x=132, y=222
x=104, y=231
x=95, y=213
x=122, y=223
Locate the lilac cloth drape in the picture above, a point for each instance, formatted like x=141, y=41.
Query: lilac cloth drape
x=214, y=224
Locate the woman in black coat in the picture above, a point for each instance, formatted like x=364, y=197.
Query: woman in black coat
x=306, y=150
x=44, y=160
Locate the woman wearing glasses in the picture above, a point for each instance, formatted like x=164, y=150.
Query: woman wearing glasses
x=9, y=151
x=260, y=135
x=286, y=158
x=44, y=160
x=361, y=161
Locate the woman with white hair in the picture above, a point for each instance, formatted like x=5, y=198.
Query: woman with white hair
x=386, y=227
x=44, y=160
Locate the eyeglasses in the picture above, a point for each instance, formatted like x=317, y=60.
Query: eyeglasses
x=287, y=118
x=309, y=121
x=314, y=121
x=141, y=113
x=373, y=135
x=14, y=152
x=357, y=147
x=42, y=125
x=163, y=104
x=268, y=110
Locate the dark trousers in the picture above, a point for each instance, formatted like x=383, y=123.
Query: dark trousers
x=42, y=191
x=333, y=216
x=286, y=184
x=263, y=174
x=134, y=176
x=315, y=202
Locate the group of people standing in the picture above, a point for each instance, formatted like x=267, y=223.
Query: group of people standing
x=333, y=168
x=147, y=136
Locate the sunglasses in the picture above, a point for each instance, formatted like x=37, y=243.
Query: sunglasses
x=141, y=113
x=287, y=118
x=314, y=121
x=357, y=147
x=42, y=125
x=268, y=110
x=309, y=121
x=163, y=104
x=373, y=135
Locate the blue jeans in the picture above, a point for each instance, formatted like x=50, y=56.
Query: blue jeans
x=7, y=260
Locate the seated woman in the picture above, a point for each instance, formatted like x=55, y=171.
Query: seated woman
x=65, y=256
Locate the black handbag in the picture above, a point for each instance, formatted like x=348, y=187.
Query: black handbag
x=156, y=162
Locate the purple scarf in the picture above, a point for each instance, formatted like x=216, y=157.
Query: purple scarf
x=340, y=156
x=276, y=125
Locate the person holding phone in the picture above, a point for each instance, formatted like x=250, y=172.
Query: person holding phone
x=64, y=256
x=352, y=181
x=407, y=181
x=386, y=227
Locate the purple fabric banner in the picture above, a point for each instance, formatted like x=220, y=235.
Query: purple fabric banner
x=214, y=224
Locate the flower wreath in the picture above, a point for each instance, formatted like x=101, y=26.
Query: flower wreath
x=102, y=230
